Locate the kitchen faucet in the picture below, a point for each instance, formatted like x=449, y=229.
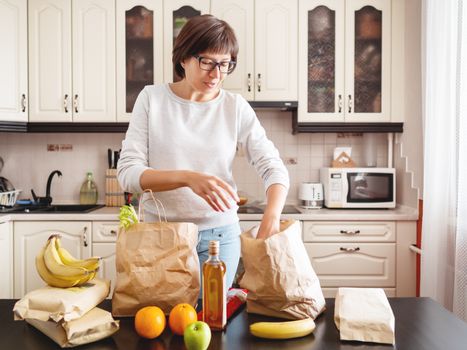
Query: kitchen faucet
x=47, y=200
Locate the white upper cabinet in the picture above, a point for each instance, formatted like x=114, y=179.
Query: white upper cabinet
x=344, y=61
x=72, y=42
x=268, y=40
x=13, y=61
x=139, y=50
x=176, y=14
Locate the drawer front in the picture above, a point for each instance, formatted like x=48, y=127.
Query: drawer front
x=335, y=231
x=354, y=264
x=104, y=231
x=332, y=292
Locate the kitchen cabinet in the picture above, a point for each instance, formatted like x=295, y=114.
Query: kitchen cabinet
x=104, y=235
x=362, y=254
x=139, y=47
x=267, y=61
x=31, y=236
x=344, y=61
x=6, y=260
x=13, y=61
x=72, y=60
x=176, y=14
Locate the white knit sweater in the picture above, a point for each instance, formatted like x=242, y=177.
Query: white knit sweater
x=167, y=132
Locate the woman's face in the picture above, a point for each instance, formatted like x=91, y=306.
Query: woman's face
x=204, y=81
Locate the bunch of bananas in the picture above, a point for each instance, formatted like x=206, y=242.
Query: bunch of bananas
x=283, y=330
x=58, y=268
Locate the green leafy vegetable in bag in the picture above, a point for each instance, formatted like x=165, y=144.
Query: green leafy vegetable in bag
x=127, y=216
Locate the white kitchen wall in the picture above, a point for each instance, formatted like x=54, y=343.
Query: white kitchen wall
x=28, y=163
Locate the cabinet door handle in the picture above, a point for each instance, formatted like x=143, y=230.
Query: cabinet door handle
x=345, y=232
x=65, y=103
x=259, y=82
x=75, y=103
x=85, y=237
x=249, y=82
x=350, y=103
x=350, y=250
x=339, y=104
x=23, y=102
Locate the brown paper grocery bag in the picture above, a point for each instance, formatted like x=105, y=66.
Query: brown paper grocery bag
x=364, y=314
x=278, y=274
x=157, y=264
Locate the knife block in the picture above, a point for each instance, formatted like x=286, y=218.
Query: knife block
x=114, y=196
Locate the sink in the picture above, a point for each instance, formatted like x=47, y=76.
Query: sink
x=54, y=208
x=71, y=208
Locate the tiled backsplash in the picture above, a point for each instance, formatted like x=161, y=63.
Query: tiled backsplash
x=28, y=163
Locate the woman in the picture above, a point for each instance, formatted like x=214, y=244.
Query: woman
x=182, y=139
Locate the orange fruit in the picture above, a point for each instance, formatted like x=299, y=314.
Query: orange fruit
x=181, y=316
x=150, y=322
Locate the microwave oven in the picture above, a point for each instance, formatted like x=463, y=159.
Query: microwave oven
x=359, y=187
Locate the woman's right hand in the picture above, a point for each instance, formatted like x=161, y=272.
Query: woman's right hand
x=212, y=189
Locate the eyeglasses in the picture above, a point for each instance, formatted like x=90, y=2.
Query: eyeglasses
x=208, y=64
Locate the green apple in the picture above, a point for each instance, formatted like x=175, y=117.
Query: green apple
x=197, y=336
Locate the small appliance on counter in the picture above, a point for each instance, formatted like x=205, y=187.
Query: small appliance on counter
x=310, y=195
x=359, y=187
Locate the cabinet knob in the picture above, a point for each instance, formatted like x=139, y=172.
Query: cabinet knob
x=65, y=103
x=75, y=103
x=23, y=103
x=339, y=103
x=350, y=233
x=85, y=237
x=259, y=82
x=350, y=250
x=350, y=103
x=249, y=82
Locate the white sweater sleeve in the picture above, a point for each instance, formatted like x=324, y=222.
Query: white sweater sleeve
x=259, y=150
x=134, y=155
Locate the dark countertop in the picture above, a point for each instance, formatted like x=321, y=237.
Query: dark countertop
x=421, y=323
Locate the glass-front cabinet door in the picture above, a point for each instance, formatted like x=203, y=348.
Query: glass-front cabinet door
x=176, y=14
x=321, y=61
x=139, y=51
x=368, y=60
x=344, y=61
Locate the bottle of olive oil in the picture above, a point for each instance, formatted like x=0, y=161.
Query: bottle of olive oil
x=88, y=191
x=214, y=289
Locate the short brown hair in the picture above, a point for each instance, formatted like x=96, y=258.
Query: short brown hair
x=200, y=34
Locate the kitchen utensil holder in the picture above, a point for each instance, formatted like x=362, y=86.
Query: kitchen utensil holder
x=114, y=196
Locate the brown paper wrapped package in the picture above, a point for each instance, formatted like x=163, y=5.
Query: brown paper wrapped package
x=364, y=314
x=95, y=325
x=157, y=264
x=61, y=303
x=278, y=275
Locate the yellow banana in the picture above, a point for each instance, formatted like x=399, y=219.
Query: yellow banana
x=48, y=277
x=283, y=330
x=89, y=264
x=56, y=266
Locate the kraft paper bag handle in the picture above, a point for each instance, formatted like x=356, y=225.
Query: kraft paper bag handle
x=156, y=202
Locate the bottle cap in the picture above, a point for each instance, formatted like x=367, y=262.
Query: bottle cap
x=213, y=248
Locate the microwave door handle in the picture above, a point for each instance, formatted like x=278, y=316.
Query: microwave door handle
x=345, y=188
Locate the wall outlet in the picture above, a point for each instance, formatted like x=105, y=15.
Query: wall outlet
x=291, y=160
x=53, y=147
x=66, y=147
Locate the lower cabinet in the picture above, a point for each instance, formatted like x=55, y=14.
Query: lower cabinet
x=362, y=254
x=31, y=236
x=6, y=260
x=104, y=235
